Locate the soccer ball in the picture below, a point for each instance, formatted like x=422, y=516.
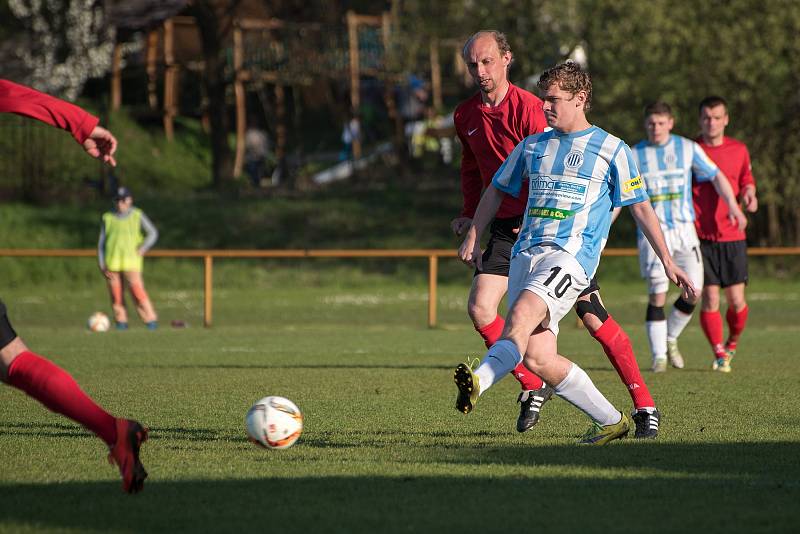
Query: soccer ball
x=274, y=423
x=98, y=322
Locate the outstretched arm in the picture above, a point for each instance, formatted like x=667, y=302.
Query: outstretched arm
x=96, y=141
x=647, y=220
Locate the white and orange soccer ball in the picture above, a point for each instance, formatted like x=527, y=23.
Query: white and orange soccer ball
x=98, y=322
x=274, y=422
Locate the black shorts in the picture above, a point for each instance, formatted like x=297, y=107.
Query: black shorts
x=724, y=262
x=593, y=286
x=7, y=333
x=502, y=236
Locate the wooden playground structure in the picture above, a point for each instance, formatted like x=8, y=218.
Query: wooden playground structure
x=280, y=54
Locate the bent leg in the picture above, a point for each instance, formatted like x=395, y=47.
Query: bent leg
x=484, y=298
x=617, y=347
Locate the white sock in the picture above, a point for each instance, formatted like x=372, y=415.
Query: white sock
x=578, y=390
x=676, y=322
x=657, y=334
x=498, y=362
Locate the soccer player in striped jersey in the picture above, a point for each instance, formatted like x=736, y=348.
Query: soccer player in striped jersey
x=724, y=245
x=667, y=163
x=490, y=124
x=38, y=377
x=577, y=173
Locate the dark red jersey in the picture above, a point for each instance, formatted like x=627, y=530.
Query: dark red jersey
x=711, y=212
x=488, y=135
x=15, y=98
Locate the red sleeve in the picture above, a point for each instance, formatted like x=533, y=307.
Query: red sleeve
x=746, y=176
x=471, y=182
x=15, y=98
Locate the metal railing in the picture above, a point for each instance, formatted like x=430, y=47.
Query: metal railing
x=432, y=255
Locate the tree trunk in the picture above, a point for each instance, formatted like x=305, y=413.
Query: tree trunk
x=213, y=30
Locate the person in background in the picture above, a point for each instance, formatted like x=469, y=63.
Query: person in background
x=126, y=234
x=723, y=243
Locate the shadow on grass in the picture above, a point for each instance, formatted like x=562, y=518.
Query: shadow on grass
x=289, y=366
x=708, y=487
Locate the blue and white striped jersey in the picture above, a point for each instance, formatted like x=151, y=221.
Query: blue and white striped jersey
x=667, y=172
x=575, y=180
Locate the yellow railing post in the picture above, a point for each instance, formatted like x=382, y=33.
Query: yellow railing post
x=433, y=268
x=208, y=260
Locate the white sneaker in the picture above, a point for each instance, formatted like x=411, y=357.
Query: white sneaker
x=659, y=365
x=674, y=355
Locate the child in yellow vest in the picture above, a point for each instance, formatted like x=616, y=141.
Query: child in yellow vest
x=126, y=234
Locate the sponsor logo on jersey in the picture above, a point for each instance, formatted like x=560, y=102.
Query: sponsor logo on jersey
x=632, y=184
x=573, y=159
x=550, y=213
x=560, y=188
x=666, y=196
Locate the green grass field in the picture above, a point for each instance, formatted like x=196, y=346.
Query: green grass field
x=383, y=449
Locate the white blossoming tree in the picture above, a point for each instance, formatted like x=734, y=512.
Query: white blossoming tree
x=68, y=42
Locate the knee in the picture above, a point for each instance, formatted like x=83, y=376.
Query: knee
x=481, y=313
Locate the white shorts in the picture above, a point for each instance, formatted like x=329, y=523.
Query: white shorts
x=551, y=273
x=684, y=247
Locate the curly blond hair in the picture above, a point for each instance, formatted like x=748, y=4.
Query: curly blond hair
x=570, y=77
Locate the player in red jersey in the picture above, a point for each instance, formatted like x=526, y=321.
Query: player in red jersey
x=722, y=243
x=33, y=374
x=490, y=124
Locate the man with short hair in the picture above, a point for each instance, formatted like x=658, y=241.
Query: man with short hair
x=38, y=377
x=490, y=124
x=576, y=174
x=667, y=163
x=723, y=244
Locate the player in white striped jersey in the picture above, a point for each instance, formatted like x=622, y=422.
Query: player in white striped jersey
x=667, y=163
x=577, y=173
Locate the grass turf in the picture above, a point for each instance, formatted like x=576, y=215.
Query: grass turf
x=383, y=448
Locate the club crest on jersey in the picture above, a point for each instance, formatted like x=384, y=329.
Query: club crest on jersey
x=630, y=185
x=573, y=159
x=670, y=159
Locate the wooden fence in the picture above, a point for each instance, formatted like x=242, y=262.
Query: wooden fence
x=432, y=255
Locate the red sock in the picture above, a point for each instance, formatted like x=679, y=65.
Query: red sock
x=492, y=331
x=617, y=346
x=736, y=321
x=490, y=334
x=711, y=323
x=57, y=390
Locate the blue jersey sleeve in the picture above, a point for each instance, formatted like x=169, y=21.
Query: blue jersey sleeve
x=626, y=184
x=512, y=172
x=703, y=168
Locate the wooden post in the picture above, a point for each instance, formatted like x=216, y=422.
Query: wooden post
x=116, y=77
x=241, y=104
x=169, y=80
x=436, y=75
x=355, y=76
x=151, y=57
x=208, y=272
x=280, y=128
x=433, y=270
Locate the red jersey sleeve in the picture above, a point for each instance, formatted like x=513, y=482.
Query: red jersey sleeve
x=15, y=98
x=746, y=176
x=471, y=182
x=535, y=121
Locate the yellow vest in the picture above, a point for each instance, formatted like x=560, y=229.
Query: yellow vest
x=123, y=237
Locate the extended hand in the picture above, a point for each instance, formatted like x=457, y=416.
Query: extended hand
x=470, y=250
x=738, y=218
x=101, y=144
x=682, y=280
